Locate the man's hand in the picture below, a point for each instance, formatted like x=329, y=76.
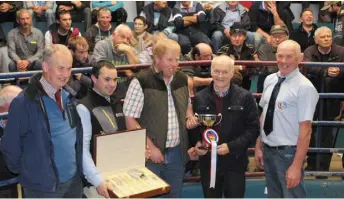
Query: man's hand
x=5, y=7
x=258, y=157
x=114, y=2
x=192, y=154
x=192, y=122
x=25, y=63
x=199, y=148
x=122, y=48
x=226, y=32
x=103, y=189
x=148, y=152
x=293, y=176
x=222, y=149
x=156, y=156
x=333, y=71
x=78, y=75
x=207, y=7
x=268, y=39
x=272, y=7
x=67, y=8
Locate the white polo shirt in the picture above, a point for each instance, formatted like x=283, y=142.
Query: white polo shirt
x=296, y=102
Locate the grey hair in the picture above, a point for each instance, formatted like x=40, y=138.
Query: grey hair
x=321, y=29
x=121, y=27
x=8, y=93
x=19, y=12
x=50, y=51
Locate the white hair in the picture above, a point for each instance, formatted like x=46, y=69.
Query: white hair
x=223, y=59
x=321, y=29
x=7, y=94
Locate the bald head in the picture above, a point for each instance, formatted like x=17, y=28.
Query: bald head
x=288, y=57
x=223, y=60
x=204, y=52
x=7, y=94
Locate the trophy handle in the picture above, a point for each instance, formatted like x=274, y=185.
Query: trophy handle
x=219, y=115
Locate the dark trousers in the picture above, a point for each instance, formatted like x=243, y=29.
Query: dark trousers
x=230, y=184
x=6, y=17
x=9, y=191
x=70, y=189
x=119, y=16
x=187, y=41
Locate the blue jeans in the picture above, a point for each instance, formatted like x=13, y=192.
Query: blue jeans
x=172, y=171
x=70, y=189
x=48, y=14
x=276, y=163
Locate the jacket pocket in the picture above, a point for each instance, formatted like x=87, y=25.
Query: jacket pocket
x=236, y=108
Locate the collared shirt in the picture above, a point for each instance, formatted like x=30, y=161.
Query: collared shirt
x=133, y=105
x=231, y=17
x=324, y=53
x=221, y=94
x=25, y=48
x=49, y=89
x=295, y=103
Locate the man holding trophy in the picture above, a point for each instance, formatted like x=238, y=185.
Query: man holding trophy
x=229, y=118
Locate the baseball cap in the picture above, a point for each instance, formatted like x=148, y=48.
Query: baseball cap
x=279, y=29
x=328, y=4
x=237, y=28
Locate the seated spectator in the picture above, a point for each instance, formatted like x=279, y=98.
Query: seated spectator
x=263, y=15
x=79, y=10
x=25, y=44
x=239, y=50
x=8, y=14
x=117, y=50
x=336, y=8
x=325, y=80
x=79, y=49
x=118, y=13
x=159, y=18
x=223, y=18
x=304, y=35
x=7, y=94
x=61, y=31
x=101, y=30
x=266, y=52
x=40, y=10
x=141, y=39
x=146, y=56
x=188, y=15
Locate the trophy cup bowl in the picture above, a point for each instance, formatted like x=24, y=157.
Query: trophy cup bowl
x=209, y=120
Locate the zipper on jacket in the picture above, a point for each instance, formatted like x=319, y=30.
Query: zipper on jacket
x=51, y=146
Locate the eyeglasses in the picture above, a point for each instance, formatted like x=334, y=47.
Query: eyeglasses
x=138, y=24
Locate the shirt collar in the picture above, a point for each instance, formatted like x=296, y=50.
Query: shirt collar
x=106, y=97
x=48, y=88
x=324, y=53
x=290, y=75
x=191, y=4
x=219, y=93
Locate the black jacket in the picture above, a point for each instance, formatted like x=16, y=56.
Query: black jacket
x=163, y=23
x=5, y=174
x=239, y=126
x=301, y=37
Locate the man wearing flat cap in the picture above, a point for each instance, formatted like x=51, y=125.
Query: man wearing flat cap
x=238, y=49
x=266, y=52
x=335, y=8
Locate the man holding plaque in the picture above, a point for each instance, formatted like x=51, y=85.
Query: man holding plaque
x=158, y=100
x=227, y=136
x=288, y=101
x=100, y=111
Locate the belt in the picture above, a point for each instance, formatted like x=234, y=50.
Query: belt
x=281, y=147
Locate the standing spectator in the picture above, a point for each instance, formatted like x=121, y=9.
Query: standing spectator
x=61, y=31
x=159, y=18
x=8, y=14
x=267, y=52
x=304, y=35
x=288, y=101
x=46, y=148
x=101, y=30
x=263, y=15
x=7, y=94
x=188, y=17
x=336, y=8
x=118, y=13
x=25, y=44
x=79, y=10
x=163, y=90
x=331, y=79
x=41, y=10
x=141, y=39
